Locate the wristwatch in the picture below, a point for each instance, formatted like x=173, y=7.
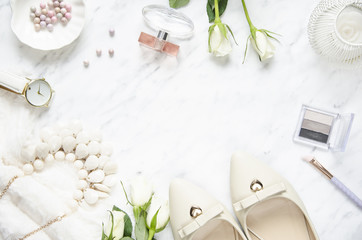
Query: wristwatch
x=37, y=92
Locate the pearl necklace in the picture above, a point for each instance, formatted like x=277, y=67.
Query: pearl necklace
x=81, y=147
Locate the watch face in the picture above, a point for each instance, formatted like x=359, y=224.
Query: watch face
x=38, y=93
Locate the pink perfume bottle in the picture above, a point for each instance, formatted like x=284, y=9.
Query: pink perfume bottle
x=159, y=43
x=168, y=22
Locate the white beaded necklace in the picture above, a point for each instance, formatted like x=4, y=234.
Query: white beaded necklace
x=88, y=154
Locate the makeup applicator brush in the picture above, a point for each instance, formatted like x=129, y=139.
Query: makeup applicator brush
x=334, y=180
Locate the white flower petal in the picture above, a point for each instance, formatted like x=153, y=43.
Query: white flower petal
x=118, y=225
x=141, y=191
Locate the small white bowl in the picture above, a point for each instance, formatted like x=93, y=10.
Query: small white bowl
x=62, y=35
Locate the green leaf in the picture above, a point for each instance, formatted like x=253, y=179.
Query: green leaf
x=125, y=193
x=270, y=36
x=141, y=231
x=127, y=238
x=232, y=34
x=222, y=6
x=223, y=30
x=137, y=212
x=104, y=236
x=210, y=8
x=154, y=221
x=246, y=48
x=178, y=3
x=111, y=233
x=267, y=31
x=128, y=228
x=253, y=37
x=211, y=29
x=145, y=207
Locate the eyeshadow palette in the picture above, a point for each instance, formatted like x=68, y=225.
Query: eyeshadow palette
x=323, y=129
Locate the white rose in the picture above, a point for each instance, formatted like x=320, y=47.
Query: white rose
x=219, y=45
x=163, y=215
x=263, y=46
x=141, y=191
x=118, y=225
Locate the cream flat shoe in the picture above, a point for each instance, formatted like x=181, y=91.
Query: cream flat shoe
x=195, y=215
x=266, y=204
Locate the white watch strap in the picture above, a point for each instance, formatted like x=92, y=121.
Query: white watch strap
x=12, y=82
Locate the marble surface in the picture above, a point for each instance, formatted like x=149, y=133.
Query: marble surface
x=184, y=117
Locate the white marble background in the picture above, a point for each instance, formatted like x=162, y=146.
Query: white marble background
x=184, y=117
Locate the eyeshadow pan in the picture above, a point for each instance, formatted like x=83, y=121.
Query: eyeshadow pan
x=316, y=136
x=323, y=129
x=318, y=117
x=316, y=126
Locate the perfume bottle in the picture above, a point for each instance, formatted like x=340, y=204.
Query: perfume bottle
x=159, y=43
x=166, y=21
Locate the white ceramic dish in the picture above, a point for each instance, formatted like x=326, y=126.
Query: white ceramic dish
x=61, y=36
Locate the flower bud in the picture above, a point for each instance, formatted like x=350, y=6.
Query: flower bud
x=163, y=214
x=262, y=45
x=118, y=225
x=219, y=45
x=141, y=191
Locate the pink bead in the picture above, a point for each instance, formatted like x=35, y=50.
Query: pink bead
x=62, y=4
x=54, y=19
x=51, y=13
x=111, y=52
x=42, y=17
x=68, y=16
x=63, y=11
x=43, y=24
x=56, y=4
x=37, y=13
x=64, y=20
x=42, y=5
x=50, y=27
x=99, y=52
x=68, y=7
